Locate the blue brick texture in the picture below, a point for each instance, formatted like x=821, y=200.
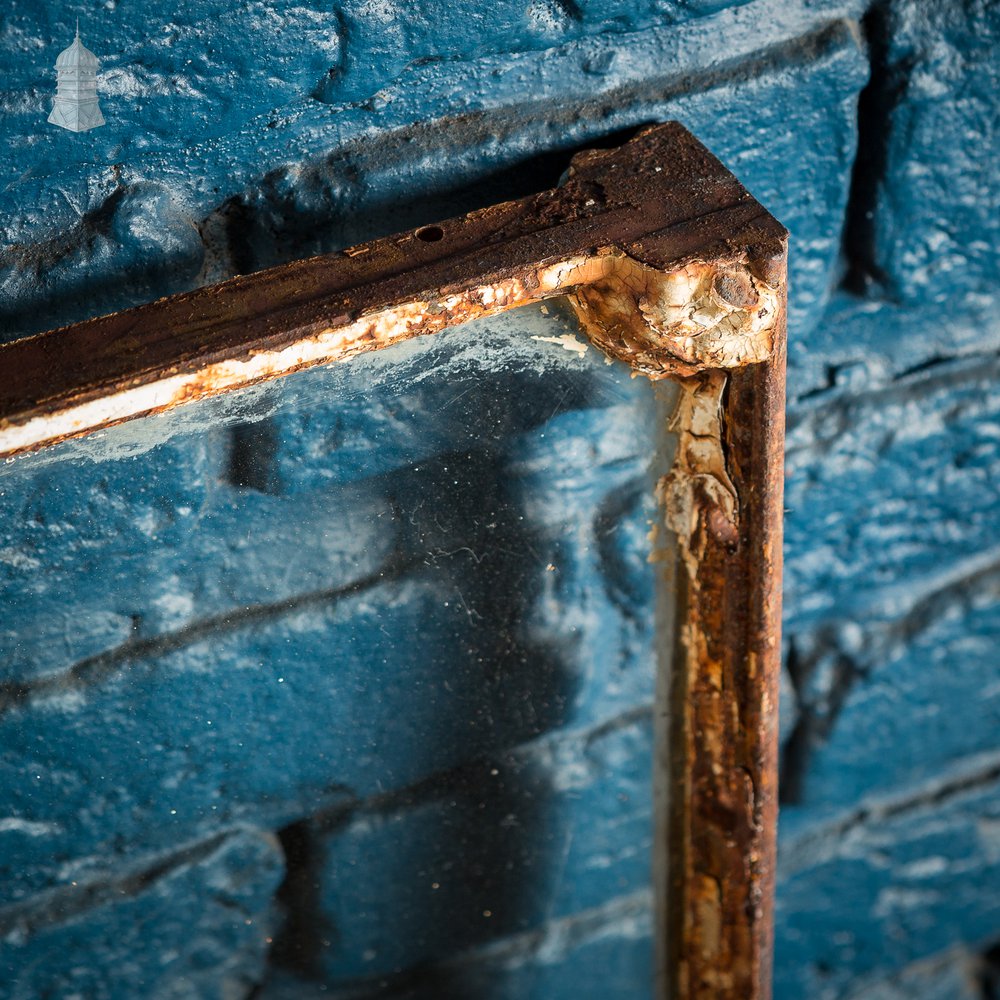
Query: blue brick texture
x=237, y=765
x=194, y=922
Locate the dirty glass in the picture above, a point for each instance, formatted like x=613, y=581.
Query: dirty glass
x=341, y=681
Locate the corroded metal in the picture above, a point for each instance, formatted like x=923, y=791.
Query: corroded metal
x=672, y=268
x=661, y=204
x=663, y=324
x=723, y=500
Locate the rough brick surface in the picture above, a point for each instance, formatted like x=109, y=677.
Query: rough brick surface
x=935, y=226
x=595, y=954
x=304, y=175
x=193, y=923
x=511, y=845
x=892, y=882
x=341, y=630
x=957, y=974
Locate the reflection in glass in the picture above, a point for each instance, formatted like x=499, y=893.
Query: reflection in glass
x=344, y=681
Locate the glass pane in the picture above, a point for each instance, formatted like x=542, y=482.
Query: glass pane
x=344, y=682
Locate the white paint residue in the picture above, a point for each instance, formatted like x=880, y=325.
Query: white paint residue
x=11, y=556
x=924, y=868
x=14, y=824
x=567, y=342
x=175, y=607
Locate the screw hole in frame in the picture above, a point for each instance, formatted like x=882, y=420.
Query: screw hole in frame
x=430, y=234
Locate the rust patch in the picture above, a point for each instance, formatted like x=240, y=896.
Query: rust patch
x=676, y=322
x=722, y=500
x=698, y=492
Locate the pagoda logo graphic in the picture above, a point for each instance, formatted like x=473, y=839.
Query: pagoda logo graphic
x=75, y=105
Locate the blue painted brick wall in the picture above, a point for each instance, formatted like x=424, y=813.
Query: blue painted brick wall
x=134, y=837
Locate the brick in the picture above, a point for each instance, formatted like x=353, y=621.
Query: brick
x=933, y=701
x=560, y=826
x=96, y=556
x=195, y=924
x=887, y=568
x=780, y=111
x=390, y=627
x=922, y=224
x=935, y=225
x=221, y=723
x=258, y=194
x=897, y=880
x=262, y=722
x=887, y=487
x=147, y=222
x=597, y=954
x=955, y=975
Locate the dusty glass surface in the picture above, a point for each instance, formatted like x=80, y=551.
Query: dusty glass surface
x=374, y=640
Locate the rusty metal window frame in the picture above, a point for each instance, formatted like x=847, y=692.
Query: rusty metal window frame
x=671, y=267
